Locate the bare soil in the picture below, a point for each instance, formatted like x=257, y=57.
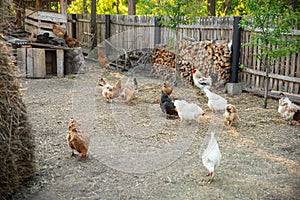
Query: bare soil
x=136, y=153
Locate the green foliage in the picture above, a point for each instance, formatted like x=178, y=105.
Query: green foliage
x=272, y=25
x=175, y=11
x=103, y=7
x=232, y=8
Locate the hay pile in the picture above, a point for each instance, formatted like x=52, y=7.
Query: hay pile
x=16, y=140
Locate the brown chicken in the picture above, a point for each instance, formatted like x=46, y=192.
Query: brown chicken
x=77, y=139
x=130, y=90
x=102, y=59
x=59, y=32
x=230, y=114
x=71, y=42
x=32, y=37
x=167, y=88
x=110, y=92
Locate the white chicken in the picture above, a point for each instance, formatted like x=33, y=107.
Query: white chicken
x=200, y=81
x=292, y=112
x=188, y=111
x=282, y=103
x=110, y=92
x=211, y=157
x=215, y=101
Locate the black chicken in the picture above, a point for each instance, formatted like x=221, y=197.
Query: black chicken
x=167, y=106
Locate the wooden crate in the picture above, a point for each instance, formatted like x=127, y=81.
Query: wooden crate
x=40, y=63
x=40, y=22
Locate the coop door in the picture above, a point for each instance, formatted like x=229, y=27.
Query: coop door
x=51, y=65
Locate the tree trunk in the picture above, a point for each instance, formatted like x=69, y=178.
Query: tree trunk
x=131, y=7
x=93, y=22
x=84, y=8
x=265, y=103
x=117, y=6
x=212, y=7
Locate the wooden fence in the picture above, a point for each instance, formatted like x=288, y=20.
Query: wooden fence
x=284, y=74
x=138, y=32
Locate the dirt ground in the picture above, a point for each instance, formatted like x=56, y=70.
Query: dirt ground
x=136, y=153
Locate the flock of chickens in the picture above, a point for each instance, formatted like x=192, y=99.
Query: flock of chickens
x=62, y=38
x=211, y=157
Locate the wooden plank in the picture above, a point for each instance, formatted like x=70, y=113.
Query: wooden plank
x=29, y=63
x=60, y=63
x=45, y=16
x=281, y=71
x=274, y=94
x=287, y=72
x=276, y=71
x=271, y=75
x=21, y=58
x=297, y=89
x=39, y=63
x=292, y=72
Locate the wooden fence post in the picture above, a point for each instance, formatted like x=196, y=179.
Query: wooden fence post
x=107, y=34
x=236, y=46
x=74, y=19
x=157, y=30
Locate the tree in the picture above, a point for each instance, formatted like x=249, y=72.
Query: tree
x=131, y=7
x=212, y=7
x=271, y=23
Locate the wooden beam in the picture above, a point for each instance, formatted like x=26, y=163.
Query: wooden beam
x=271, y=75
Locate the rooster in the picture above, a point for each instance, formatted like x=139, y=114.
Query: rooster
x=77, y=139
x=188, y=111
x=167, y=106
x=230, y=114
x=215, y=102
x=211, y=157
x=200, y=81
x=167, y=88
x=130, y=90
x=110, y=92
x=59, y=32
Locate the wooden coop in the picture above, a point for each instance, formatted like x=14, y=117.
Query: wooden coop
x=53, y=57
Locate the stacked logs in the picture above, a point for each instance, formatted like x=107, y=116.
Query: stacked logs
x=212, y=58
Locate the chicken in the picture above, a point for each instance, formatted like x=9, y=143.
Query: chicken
x=32, y=37
x=215, y=102
x=292, y=112
x=71, y=42
x=188, y=111
x=129, y=91
x=200, y=81
x=102, y=59
x=77, y=139
x=167, y=88
x=110, y=92
x=43, y=38
x=283, y=102
x=211, y=157
x=230, y=114
x=167, y=106
x=60, y=32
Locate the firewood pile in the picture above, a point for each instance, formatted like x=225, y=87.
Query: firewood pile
x=212, y=58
